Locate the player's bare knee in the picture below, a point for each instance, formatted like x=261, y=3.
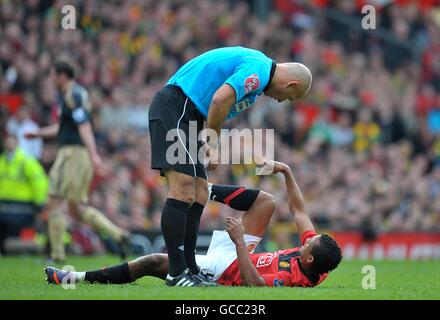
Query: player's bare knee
x=201, y=195
x=182, y=189
x=269, y=201
x=182, y=196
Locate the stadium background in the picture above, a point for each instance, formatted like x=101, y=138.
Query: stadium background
x=364, y=144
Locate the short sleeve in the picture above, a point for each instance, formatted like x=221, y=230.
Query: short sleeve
x=306, y=235
x=80, y=113
x=247, y=79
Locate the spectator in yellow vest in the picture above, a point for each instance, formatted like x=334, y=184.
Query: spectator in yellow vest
x=23, y=189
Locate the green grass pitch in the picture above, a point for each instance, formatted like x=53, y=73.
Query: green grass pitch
x=23, y=278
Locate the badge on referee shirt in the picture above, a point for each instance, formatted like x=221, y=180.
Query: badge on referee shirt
x=251, y=83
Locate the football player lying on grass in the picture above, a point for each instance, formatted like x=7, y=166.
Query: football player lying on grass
x=230, y=259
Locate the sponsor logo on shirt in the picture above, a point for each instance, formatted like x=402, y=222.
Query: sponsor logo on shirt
x=284, y=264
x=265, y=260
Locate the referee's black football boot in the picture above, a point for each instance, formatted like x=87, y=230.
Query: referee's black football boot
x=187, y=279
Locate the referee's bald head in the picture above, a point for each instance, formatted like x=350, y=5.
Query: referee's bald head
x=298, y=71
x=291, y=81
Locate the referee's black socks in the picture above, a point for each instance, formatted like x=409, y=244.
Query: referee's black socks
x=173, y=223
x=191, y=233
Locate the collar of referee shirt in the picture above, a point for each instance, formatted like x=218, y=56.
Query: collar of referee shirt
x=272, y=72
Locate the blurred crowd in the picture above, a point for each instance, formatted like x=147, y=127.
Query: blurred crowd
x=364, y=145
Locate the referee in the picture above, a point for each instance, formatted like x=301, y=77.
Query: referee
x=214, y=86
x=72, y=171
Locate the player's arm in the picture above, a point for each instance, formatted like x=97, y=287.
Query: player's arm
x=45, y=132
x=82, y=119
x=87, y=137
x=248, y=272
x=295, y=198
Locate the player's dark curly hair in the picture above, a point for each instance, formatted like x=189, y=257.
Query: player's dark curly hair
x=64, y=67
x=327, y=255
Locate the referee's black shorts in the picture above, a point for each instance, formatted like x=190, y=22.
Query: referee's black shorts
x=171, y=109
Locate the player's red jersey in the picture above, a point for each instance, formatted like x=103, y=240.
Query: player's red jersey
x=280, y=268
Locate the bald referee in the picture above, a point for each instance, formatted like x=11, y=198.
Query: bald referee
x=215, y=86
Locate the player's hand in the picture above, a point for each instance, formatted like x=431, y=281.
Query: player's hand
x=100, y=167
x=278, y=167
x=212, y=154
x=235, y=229
x=31, y=135
x=273, y=167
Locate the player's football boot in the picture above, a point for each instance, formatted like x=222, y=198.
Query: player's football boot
x=54, y=275
x=187, y=279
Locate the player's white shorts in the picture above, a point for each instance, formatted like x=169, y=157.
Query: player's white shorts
x=222, y=252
